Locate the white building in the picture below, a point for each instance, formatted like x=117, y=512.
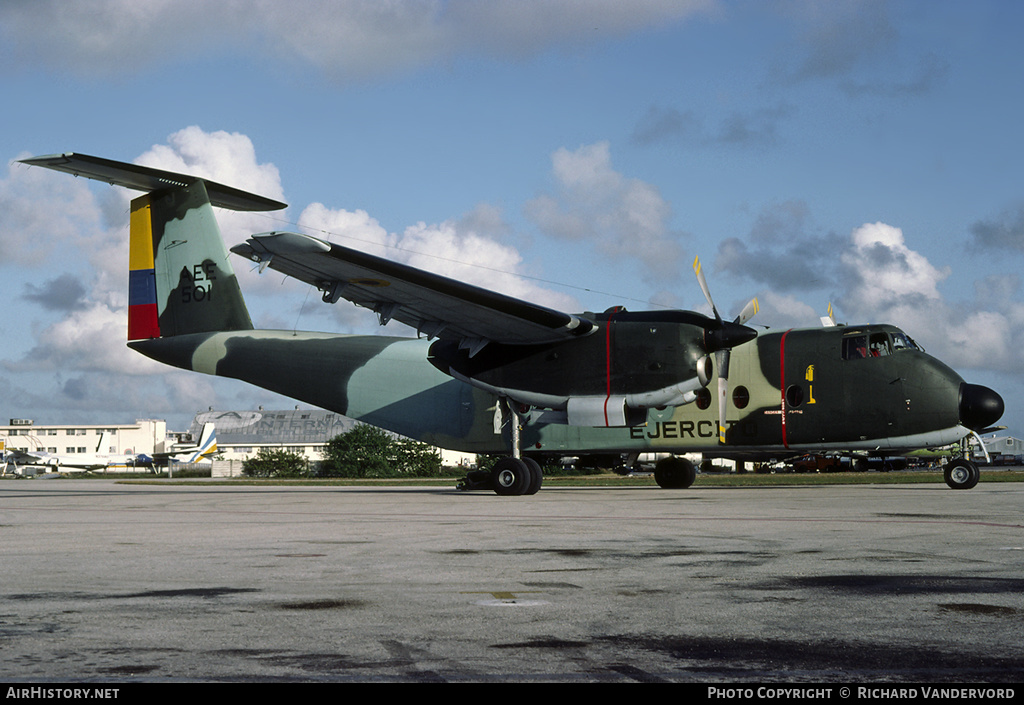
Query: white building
x=144, y=436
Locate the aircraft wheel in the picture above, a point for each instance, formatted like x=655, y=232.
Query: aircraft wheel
x=536, y=476
x=674, y=473
x=961, y=474
x=511, y=476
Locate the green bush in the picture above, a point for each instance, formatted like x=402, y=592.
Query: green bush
x=275, y=462
x=367, y=451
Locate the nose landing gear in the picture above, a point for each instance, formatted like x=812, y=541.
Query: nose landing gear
x=961, y=474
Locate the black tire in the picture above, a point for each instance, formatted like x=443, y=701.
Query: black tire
x=961, y=474
x=536, y=476
x=510, y=477
x=674, y=473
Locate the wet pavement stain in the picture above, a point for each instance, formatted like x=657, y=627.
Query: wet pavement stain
x=543, y=644
x=322, y=605
x=146, y=594
x=970, y=608
x=902, y=584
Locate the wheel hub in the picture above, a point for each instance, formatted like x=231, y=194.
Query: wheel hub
x=506, y=478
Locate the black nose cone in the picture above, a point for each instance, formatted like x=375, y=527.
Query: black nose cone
x=728, y=335
x=980, y=407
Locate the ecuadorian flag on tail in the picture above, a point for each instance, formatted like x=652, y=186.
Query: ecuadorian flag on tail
x=143, y=316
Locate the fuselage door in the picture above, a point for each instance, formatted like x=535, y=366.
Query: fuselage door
x=874, y=397
x=810, y=387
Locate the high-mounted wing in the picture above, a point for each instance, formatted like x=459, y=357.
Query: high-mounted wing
x=434, y=305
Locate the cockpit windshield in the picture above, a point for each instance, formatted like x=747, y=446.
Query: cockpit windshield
x=902, y=341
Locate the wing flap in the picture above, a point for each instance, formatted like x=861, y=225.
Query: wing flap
x=435, y=305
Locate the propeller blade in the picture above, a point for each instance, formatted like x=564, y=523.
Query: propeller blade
x=699, y=271
x=722, y=339
x=722, y=360
x=748, y=312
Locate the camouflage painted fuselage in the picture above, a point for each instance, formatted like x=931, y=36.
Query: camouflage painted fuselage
x=790, y=390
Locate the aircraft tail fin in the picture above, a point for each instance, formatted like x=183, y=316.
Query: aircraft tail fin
x=207, y=442
x=180, y=279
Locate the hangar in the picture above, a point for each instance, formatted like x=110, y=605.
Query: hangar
x=1005, y=450
x=306, y=432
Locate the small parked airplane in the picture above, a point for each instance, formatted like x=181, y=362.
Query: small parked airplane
x=203, y=449
x=76, y=462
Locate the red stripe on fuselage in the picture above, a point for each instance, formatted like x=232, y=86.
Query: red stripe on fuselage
x=608, y=362
x=782, y=386
x=607, y=366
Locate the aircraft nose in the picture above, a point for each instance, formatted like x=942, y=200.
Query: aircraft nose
x=980, y=407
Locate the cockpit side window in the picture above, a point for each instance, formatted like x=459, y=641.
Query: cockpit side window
x=855, y=347
x=879, y=345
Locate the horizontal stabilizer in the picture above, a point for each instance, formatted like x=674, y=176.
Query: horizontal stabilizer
x=144, y=178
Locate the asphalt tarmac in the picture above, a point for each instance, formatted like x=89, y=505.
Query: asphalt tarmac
x=105, y=582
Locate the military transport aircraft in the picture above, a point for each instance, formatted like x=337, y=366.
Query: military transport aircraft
x=492, y=374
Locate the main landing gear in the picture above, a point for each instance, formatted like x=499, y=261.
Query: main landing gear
x=510, y=476
x=674, y=473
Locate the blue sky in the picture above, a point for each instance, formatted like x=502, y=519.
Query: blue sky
x=866, y=154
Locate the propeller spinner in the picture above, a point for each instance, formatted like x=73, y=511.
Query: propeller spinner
x=721, y=339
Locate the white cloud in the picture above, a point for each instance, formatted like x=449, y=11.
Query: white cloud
x=888, y=282
x=226, y=157
x=344, y=38
x=466, y=249
x=472, y=257
x=623, y=217
x=357, y=228
x=31, y=235
x=784, y=311
x=89, y=340
x=877, y=277
x=886, y=272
